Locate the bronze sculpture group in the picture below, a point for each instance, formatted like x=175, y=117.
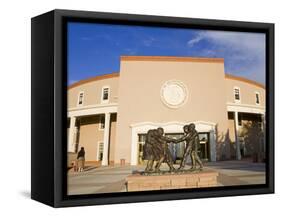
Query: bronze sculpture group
x=156, y=149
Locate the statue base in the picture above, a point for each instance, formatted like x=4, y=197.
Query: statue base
x=195, y=179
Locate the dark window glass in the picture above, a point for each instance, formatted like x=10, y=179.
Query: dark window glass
x=257, y=98
x=237, y=94
x=105, y=94
x=80, y=98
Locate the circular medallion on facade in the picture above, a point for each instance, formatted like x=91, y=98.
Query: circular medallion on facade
x=174, y=93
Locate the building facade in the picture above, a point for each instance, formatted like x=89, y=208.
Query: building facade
x=109, y=115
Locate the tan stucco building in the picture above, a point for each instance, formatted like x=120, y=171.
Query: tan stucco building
x=109, y=115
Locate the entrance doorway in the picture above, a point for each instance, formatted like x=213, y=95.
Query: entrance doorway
x=141, y=141
x=175, y=129
x=177, y=149
x=204, y=149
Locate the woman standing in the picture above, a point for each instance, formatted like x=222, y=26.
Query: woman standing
x=81, y=159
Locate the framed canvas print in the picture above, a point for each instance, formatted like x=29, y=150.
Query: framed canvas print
x=133, y=108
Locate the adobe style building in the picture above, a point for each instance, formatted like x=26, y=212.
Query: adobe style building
x=109, y=115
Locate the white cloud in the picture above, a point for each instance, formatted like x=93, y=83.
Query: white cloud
x=250, y=43
x=195, y=40
x=244, y=53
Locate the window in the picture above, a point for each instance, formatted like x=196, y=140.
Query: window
x=100, y=151
x=105, y=94
x=102, y=122
x=257, y=98
x=81, y=98
x=236, y=94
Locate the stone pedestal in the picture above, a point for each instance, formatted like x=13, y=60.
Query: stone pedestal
x=139, y=182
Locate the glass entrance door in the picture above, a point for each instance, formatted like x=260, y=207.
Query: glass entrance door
x=204, y=149
x=141, y=141
x=177, y=149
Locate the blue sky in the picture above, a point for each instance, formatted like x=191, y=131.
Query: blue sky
x=95, y=49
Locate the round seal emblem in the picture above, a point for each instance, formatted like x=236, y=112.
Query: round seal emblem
x=174, y=93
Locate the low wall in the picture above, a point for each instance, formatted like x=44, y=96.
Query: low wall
x=138, y=182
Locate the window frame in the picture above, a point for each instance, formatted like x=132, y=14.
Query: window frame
x=239, y=93
x=259, y=98
x=102, y=94
x=83, y=97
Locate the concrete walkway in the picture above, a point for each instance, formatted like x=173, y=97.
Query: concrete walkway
x=112, y=178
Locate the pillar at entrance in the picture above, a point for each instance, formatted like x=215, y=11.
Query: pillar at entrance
x=106, y=139
x=71, y=132
x=238, y=153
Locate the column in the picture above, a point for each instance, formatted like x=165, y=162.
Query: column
x=263, y=142
x=238, y=153
x=70, y=142
x=262, y=122
x=106, y=139
x=213, y=145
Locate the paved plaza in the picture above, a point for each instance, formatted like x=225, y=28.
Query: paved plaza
x=112, y=178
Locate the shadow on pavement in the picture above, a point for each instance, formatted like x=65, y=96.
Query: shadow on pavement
x=237, y=165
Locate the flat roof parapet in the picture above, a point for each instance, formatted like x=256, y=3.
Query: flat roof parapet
x=171, y=59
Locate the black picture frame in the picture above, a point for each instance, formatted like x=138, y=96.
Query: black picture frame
x=49, y=89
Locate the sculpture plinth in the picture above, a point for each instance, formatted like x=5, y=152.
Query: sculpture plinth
x=197, y=179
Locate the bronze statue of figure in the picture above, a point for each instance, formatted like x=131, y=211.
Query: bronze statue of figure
x=148, y=152
x=166, y=155
x=152, y=149
x=156, y=149
x=191, y=139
